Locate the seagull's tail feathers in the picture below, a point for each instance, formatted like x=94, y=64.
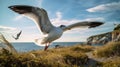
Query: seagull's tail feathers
x=39, y=42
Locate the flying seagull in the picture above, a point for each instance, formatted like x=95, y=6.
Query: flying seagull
x=17, y=36
x=41, y=19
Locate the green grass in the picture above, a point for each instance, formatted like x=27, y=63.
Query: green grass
x=73, y=56
x=108, y=50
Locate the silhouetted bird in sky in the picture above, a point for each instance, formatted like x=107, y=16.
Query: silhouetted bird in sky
x=17, y=36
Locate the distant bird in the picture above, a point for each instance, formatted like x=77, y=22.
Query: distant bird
x=17, y=36
x=40, y=17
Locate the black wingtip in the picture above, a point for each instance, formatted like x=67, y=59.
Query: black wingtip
x=11, y=7
x=95, y=24
x=21, y=9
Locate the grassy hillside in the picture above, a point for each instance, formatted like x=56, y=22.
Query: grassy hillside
x=112, y=63
x=111, y=54
x=61, y=57
x=108, y=50
x=72, y=56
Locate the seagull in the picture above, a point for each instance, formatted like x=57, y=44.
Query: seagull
x=17, y=36
x=41, y=19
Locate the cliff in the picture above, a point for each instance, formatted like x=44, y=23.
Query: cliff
x=105, y=37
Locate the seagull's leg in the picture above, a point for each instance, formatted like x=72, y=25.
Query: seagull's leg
x=46, y=46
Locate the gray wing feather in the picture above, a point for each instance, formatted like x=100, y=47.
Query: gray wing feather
x=89, y=24
x=41, y=19
x=45, y=23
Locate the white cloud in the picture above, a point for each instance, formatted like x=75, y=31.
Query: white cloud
x=4, y=28
x=59, y=21
x=19, y=17
x=95, y=19
x=105, y=7
x=59, y=15
x=7, y=31
x=38, y=3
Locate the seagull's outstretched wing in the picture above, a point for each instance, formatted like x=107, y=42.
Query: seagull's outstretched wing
x=38, y=15
x=88, y=24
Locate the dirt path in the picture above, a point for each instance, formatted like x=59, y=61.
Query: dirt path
x=92, y=62
x=90, y=55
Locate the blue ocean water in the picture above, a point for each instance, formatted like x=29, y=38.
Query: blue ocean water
x=29, y=46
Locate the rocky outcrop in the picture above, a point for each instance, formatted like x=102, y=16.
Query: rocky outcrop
x=105, y=37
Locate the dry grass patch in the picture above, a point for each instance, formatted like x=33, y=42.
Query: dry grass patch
x=82, y=48
x=112, y=63
x=61, y=57
x=74, y=58
x=110, y=49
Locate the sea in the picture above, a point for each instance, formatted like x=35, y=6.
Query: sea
x=30, y=46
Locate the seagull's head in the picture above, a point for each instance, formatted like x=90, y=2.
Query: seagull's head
x=62, y=26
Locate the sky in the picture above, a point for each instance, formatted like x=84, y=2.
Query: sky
x=60, y=12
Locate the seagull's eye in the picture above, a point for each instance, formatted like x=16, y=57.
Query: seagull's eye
x=62, y=26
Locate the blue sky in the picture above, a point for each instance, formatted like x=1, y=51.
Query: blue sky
x=60, y=12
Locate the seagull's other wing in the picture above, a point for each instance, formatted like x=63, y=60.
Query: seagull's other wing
x=84, y=24
x=38, y=15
